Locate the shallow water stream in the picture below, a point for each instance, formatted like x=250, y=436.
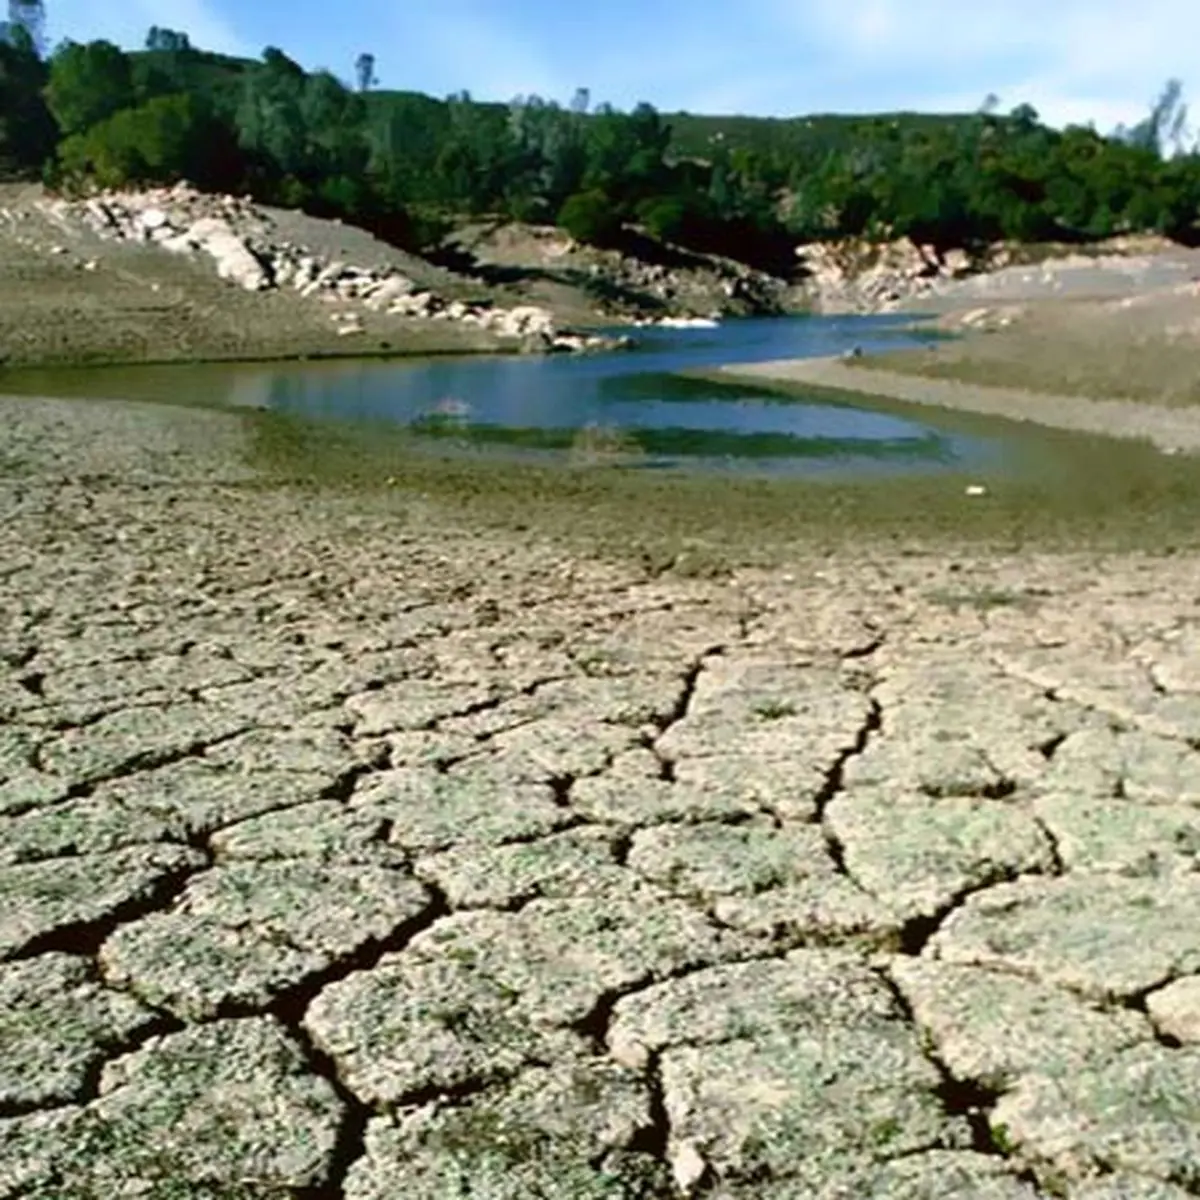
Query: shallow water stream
x=633, y=407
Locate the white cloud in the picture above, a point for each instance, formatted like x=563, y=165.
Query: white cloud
x=1073, y=60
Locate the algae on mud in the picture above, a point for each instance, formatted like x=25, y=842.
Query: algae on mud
x=1070, y=492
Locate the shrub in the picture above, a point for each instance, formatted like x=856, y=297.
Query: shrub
x=590, y=217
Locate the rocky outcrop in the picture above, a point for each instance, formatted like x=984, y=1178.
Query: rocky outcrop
x=646, y=281
x=707, y=287
x=860, y=276
x=239, y=238
x=857, y=276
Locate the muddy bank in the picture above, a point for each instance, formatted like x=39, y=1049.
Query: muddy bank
x=174, y=274
x=70, y=297
x=1140, y=346
x=1171, y=430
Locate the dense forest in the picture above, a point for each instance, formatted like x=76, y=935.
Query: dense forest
x=407, y=165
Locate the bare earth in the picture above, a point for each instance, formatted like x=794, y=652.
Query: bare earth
x=70, y=297
x=1124, y=327
x=1168, y=428
x=347, y=852
x=1104, y=345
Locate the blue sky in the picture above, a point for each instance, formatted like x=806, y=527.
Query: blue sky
x=1074, y=60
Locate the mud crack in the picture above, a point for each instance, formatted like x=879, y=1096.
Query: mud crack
x=834, y=782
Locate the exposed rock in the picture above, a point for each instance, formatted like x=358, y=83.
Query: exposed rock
x=238, y=237
x=1175, y=1009
x=686, y=288
x=854, y=275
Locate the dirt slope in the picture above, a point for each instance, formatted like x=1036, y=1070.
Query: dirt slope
x=69, y=296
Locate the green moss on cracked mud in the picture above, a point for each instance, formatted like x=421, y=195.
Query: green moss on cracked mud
x=1068, y=492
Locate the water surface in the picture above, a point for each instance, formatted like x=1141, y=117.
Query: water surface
x=629, y=407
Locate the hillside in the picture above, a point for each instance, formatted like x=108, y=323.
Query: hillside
x=410, y=167
x=694, y=134
x=691, y=134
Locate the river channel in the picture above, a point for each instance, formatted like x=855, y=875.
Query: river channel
x=647, y=407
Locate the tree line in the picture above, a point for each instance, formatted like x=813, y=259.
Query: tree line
x=406, y=165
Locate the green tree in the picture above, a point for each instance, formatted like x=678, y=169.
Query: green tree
x=590, y=217
x=164, y=140
x=168, y=41
x=27, y=130
x=665, y=217
x=87, y=84
x=268, y=118
x=364, y=72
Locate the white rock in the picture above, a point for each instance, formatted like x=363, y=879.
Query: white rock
x=975, y=316
x=1175, y=1009
x=688, y=323
x=956, y=263
x=687, y=1166
x=523, y=321
x=307, y=269
x=151, y=218
x=100, y=214
x=418, y=304
x=331, y=273
x=234, y=259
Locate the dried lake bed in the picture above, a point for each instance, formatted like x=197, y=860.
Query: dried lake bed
x=376, y=824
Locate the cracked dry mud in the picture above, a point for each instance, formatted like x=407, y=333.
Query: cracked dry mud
x=345, y=852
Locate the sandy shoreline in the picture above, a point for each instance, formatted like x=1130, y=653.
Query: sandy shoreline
x=1169, y=429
